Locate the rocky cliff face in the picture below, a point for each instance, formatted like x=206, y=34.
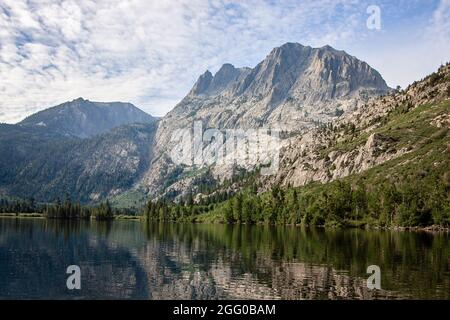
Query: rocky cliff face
x=83, y=118
x=208, y=85
x=295, y=88
x=366, y=138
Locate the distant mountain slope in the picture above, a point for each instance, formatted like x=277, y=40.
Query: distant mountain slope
x=84, y=118
x=44, y=167
x=87, y=150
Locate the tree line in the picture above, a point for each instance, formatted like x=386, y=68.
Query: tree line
x=20, y=206
x=70, y=210
x=339, y=203
x=60, y=210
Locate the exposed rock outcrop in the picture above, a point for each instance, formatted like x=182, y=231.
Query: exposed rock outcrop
x=295, y=88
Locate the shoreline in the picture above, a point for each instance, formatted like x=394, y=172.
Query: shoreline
x=22, y=215
x=41, y=216
x=428, y=229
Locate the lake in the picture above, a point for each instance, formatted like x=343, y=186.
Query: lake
x=134, y=260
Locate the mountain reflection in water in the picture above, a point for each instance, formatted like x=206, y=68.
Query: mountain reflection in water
x=133, y=260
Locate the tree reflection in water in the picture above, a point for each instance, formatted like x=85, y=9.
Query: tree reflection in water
x=129, y=259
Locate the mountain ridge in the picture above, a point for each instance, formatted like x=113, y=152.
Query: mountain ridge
x=83, y=118
x=293, y=88
x=386, y=165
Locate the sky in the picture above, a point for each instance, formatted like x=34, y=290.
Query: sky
x=150, y=52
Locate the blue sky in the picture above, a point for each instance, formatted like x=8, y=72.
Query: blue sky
x=151, y=52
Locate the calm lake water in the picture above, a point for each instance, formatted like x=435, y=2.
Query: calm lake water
x=129, y=259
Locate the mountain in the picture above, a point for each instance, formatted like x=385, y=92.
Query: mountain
x=411, y=125
x=295, y=88
x=83, y=118
x=385, y=165
x=87, y=150
x=78, y=148
x=87, y=170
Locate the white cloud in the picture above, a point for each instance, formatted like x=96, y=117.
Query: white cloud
x=438, y=33
x=151, y=52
